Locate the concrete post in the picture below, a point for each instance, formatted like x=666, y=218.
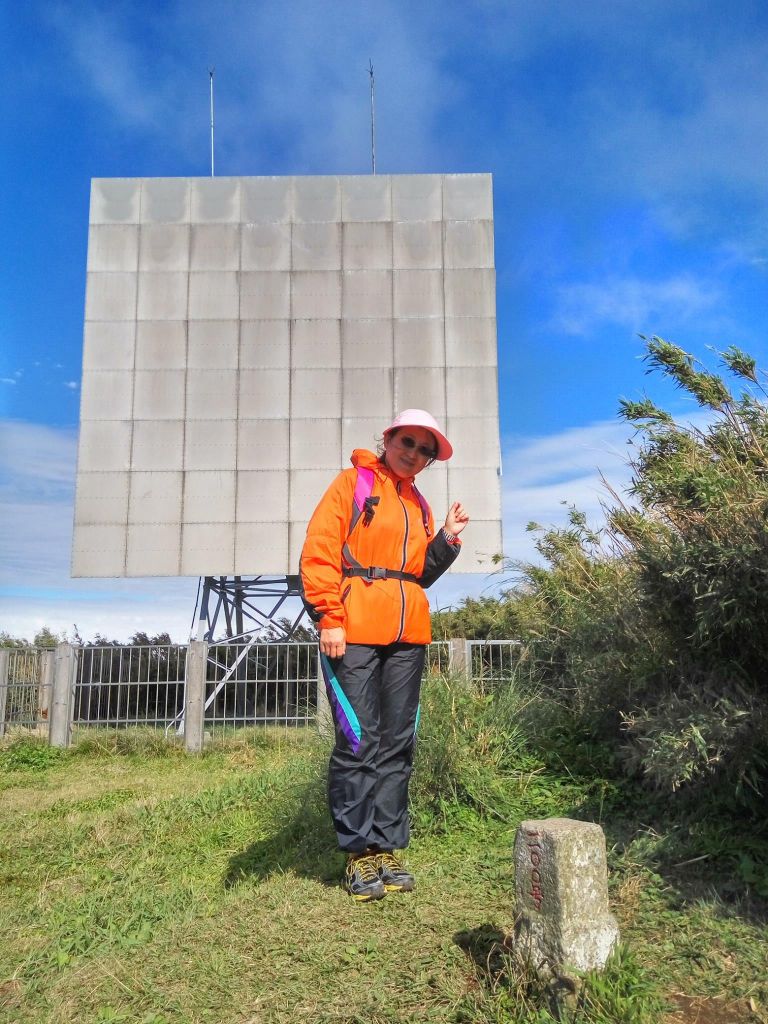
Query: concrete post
x=64, y=674
x=45, y=689
x=459, y=659
x=194, y=696
x=5, y=665
x=561, y=882
x=324, y=717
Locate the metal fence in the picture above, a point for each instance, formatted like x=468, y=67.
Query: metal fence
x=119, y=686
x=26, y=680
x=492, y=661
x=240, y=685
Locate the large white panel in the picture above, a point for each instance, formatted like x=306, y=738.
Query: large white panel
x=155, y=498
x=366, y=343
x=165, y=200
x=211, y=394
x=362, y=432
x=470, y=293
x=106, y=395
x=108, y=346
x=101, y=498
x=265, y=343
x=115, y=200
x=266, y=200
x=164, y=247
x=162, y=296
x=316, y=294
x=261, y=547
x=366, y=293
x=265, y=295
x=215, y=247
x=421, y=388
x=470, y=341
x=262, y=444
x=315, y=343
x=433, y=484
x=315, y=392
x=418, y=245
x=210, y=444
x=153, y=549
x=264, y=394
x=209, y=496
x=366, y=197
x=419, y=342
x=98, y=550
x=481, y=541
x=161, y=345
x=113, y=247
x=104, y=445
x=472, y=391
x=297, y=534
x=110, y=296
x=307, y=488
x=369, y=393
x=262, y=496
x=159, y=395
x=467, y=197
x=157, y=445
x=214, y=295
x=215, y=199
x=368, y=245
x=475, y=441
x=316, y=199
x=213, y=345
x=477, y=489
x=208, y=549
x=265, y=247
x=316, y=246
x=316, y=443
x=418, y=293
x=417, y=197
x=468, y=243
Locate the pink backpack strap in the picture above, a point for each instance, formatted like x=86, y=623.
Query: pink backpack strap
x=425, y=510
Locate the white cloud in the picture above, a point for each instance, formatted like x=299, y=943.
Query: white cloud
x=7, y=380
x=71, y=384
x=635, y=303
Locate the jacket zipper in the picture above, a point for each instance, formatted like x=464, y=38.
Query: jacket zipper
x=402, y=567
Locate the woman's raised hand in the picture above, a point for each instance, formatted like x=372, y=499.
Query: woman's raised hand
x=456, y=519
x=333, y=642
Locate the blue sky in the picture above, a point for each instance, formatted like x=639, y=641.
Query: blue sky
x=628, y=145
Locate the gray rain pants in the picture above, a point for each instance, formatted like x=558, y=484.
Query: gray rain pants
x=374, y=695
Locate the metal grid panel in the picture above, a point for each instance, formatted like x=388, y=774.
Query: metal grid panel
x=221, y=312
x=25, y=698
x=261, y=684
x=120, y=686
x=493, y=661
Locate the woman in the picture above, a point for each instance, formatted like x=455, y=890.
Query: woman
x=369, y=552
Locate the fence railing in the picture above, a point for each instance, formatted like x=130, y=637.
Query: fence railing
x=190, y=689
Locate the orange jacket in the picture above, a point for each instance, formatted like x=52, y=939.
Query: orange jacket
x=380, y=611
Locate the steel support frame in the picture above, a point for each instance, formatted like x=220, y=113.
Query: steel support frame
x=231, y=600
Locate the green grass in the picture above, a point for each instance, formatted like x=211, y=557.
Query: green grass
x=141, y=885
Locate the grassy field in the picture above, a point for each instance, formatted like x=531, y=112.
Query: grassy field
x=140, y=885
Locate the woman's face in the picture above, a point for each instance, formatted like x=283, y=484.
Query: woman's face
x=401, y=449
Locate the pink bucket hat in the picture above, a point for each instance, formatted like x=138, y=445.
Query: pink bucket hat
x=421, y=418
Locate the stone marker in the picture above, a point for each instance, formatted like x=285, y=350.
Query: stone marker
x=561, y=883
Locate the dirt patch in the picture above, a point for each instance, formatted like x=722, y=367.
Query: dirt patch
x=712, y=1010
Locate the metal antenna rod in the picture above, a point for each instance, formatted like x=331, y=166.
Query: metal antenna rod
x=373, y=119
x=210, y=73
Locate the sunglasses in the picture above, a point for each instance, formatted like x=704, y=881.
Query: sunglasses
x=422, y=449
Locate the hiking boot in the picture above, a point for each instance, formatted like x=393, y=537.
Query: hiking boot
x=392, y=873
x=361, y=878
